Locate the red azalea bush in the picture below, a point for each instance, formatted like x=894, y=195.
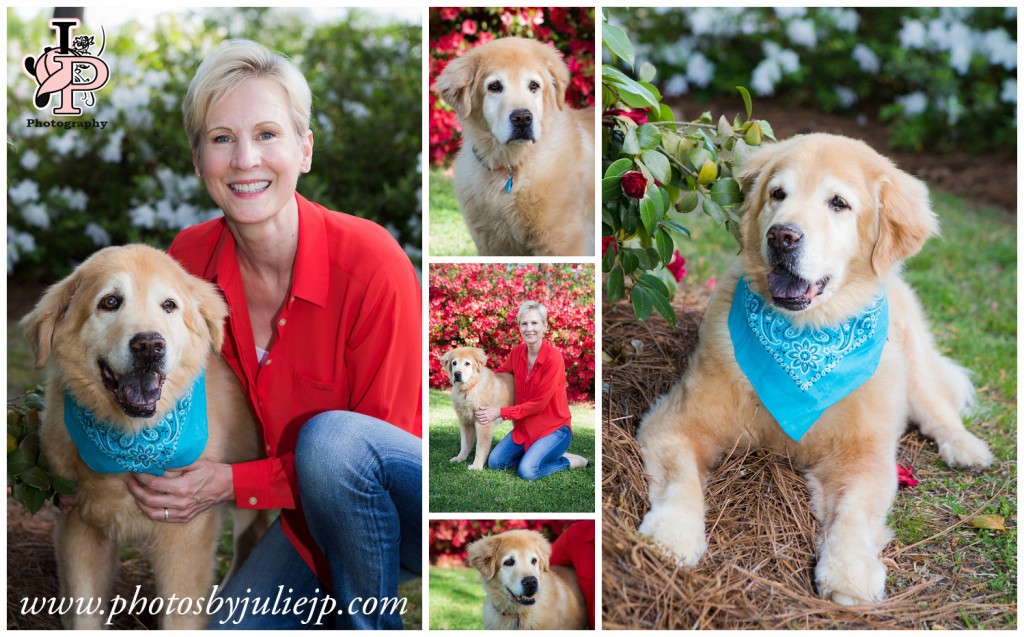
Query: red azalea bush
x=449, y=538
x=475, y=305
x=453, y=31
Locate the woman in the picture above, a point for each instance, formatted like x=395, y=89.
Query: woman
x=324, y=335
x=542, y=425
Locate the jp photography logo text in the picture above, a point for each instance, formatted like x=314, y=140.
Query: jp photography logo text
x=66, y=74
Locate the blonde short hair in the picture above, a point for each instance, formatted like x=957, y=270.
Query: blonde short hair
x=231, y=64
x=529, y=306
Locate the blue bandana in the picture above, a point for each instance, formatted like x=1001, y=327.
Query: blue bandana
x=176, y=441
x=798, y=373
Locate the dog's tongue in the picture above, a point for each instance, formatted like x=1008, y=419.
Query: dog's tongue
x=140, y=390
x=785, y=285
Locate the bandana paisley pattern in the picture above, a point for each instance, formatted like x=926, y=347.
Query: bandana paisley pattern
x=808, y=355
x=177, y=440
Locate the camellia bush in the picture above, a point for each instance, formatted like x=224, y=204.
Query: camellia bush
x=450, y=538
x=475, y=305
x=943, y=77
x=657, y=170
x=453, y=31
x=72, y=191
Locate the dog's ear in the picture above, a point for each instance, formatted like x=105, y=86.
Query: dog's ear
x=211, y=309
x=482, y=555
x=559, y=76
x=544, y=549
x=480, y=357
x=905, y=220
x=40, y=324
x=455, y=84
x=754, y=164
x=447, y=358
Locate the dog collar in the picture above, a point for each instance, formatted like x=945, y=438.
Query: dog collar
x=177, y=440
x=799, y=372
x=468, y=388
x=511, y=171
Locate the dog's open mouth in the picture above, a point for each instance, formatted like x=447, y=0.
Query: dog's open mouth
x=790, y=292
x=522, y=600
x=137, y=392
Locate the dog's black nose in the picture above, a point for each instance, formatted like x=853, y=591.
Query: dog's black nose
x=148, y=346
x=458, y=377
x=784, y=237
x=529, y=585
x=521, y=117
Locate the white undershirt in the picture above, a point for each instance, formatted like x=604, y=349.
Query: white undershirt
x=261, y=355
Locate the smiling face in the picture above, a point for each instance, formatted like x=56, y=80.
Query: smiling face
x=824, y=218
x=512, y=565
x=532, y=327
x=463, y=364
x=250, y=155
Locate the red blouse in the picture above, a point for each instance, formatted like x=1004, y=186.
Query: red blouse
x=542, y=405
x=576, y=548
x=348, y=338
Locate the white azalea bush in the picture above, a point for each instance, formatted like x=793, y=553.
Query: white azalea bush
x=74, y=190
x=943, y=77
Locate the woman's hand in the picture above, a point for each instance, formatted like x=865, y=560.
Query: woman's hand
x=486, y=415
x=181, y=495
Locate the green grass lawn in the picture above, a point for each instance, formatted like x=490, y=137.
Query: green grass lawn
x=449, y=236
x=454, y=488
x=967, y=282
x=456, y=599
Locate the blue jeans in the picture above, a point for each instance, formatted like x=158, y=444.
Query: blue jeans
x=360, y=481
x=543, y=458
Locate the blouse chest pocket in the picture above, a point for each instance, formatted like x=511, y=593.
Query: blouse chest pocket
x=319, y=395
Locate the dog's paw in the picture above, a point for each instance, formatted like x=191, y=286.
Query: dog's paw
x=851, y=580
x=967, y=451
x=677, y=535
x=476, y=467
x=458, y=458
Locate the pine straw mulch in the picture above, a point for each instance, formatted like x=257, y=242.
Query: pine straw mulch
x=759, y=568
x=32, y=573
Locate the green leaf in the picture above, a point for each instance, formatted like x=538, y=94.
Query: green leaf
x=31, y=499
x=675, y=226
x=62, y=486
x=642, y=302
x=618, y=43
x=688, y=202
x=649, y=211
x=649, y=136
x=610, y=188
x=630, y=260
x=658, y=164
x=35, y=477
x=630, y=143
x=753, y=134
x=619, y=167
x=664, y=307
x=664, y=114
x=19, y=460
x=746, y=100
x=666, y=246
x=766, y=130
x=631, y=92
x=714, y=211
x=630, y=217
x=647, y=72
x=35, y=401
x=726, y=192
x=698, y=157
x=608, y=259
x=616, y=284
x=653, y=283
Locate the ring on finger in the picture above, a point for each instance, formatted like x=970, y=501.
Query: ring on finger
x=167, y=515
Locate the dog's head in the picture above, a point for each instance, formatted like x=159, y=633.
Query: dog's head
x=127, y=333
x=512, y=564
x=463, y=364
x=824, y=219
x=504, y=87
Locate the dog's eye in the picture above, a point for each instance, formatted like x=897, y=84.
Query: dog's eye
x=169, y=305
x=494, y=87
x=110, y=303
x=838, y=204
x=533, y=561
x=534, y=86
x=777, y=194
x=510, y=562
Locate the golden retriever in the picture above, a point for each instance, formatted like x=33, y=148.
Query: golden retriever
x=475, y=386
x=126, y=335
x=826, y=222
x=524, y=592
x=524, y=178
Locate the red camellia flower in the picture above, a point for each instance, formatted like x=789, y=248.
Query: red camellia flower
x=608, y=241
x=677, y=266
x=634, y=184
x=468, y=27
x=905, y=476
